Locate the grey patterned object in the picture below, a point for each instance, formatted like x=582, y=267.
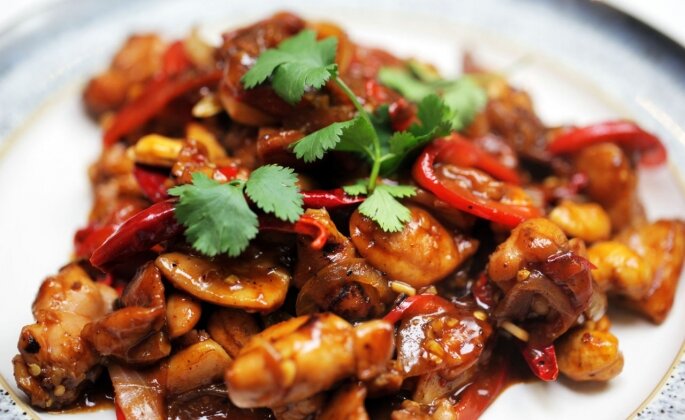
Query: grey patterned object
x=64, y=43
x=9, y=410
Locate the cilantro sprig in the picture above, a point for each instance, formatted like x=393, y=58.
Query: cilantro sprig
x=217, y=216
x=301, y=63
x=463, y=96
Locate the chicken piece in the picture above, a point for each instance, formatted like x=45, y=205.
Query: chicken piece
x=350, y=288
x=590, y=353
x=547, y=286
x=533, y=241
x=301, y=410
x=586, y=221
x=661, y=244
x=448, y=341
x=620, y=270
x=232, y=328
x=255, y=281
x=346, y=404
x=55, y=363
x=442, y=409
x=337, y=248
x=422, y=253
x=133, y=333
x=612, y=183
x=136, y=62
x=296, y=359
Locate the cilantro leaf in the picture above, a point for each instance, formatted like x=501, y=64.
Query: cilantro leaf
x=314, y=145
x=273, y=189
x=463, y=96
x=403, y=82
x=356, y=189
x=355, y=135
x=466, y=99
x=383, y=208
x=298, y=63
x=216, y=216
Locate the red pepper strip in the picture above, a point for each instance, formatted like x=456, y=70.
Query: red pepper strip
x=482, y=392
x=155, y=97
x=542, y=361
x=119, y=412
x=307, y=226
x=402, y=115
x=175, y=60
x=624, y=133
x=417, y=305
x=317, y=199
x=462, y=199
x=151, y=182
x=461, y=152
x=139, y=233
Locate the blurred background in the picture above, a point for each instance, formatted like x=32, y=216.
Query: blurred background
x=665, y=15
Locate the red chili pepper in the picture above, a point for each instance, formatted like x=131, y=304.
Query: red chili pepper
x=317, y=199
x=462, y=198
x=175, y=60
x=139, y=233
x=151, y=182
x=461, y=152
x=156, y=96
x=119, y=412
x=484, y=293
x=624, y=133
x=307, y=226
x=90, y=238
x=486, y=387
x=402, y=115
x=542, y=361
x=417, y=305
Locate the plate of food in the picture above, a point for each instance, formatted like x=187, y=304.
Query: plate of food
x=340, y=210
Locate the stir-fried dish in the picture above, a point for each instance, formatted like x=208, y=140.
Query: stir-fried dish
x=294, y=226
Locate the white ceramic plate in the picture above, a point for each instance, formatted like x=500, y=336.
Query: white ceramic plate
x=575, y=70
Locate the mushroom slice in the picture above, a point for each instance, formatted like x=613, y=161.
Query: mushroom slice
x=255, y=283
x=201, y=364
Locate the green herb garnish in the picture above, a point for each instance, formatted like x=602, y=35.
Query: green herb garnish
x=217, y=216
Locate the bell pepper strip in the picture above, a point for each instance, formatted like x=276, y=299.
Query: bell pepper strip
x=486, y=387
x=151, y=182
x=463, y=199
x=623, y=133
x=417, y=305
x=542, y=361
x=154, y=98
x=139, y=233
x=458, y=151
x=329, y=199
x=307, y=226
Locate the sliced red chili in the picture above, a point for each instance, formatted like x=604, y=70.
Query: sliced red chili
x=306, y=225
x=483, y=292
x=461, y=152
x=316, y=199
x=119, y=412
x=624, y=133
x=418, y=305
x=461, y=198
x=175, y=59
x=152, y=182
x=157, y=94
x=542, y=361
x=485, y=388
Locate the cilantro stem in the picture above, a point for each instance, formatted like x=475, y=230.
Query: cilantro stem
x=376, y=153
